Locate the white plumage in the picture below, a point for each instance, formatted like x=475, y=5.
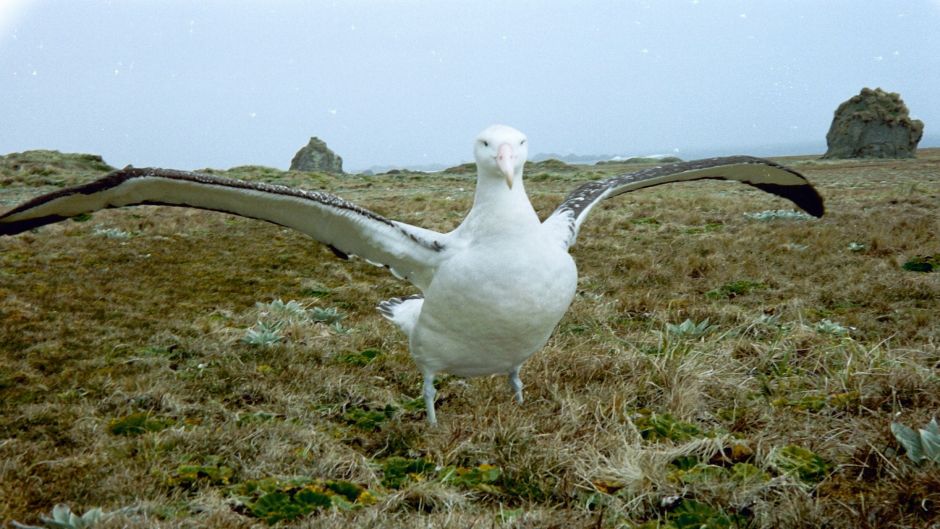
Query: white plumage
x=493, y=289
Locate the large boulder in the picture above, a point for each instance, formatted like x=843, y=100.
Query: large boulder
x=316, y=156
x=873, y=124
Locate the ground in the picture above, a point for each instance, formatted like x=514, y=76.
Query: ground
x=147, y=368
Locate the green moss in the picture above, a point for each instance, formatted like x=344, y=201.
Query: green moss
x=137, y=424
x=923, y=263
x=734, y=289
x=275, y=500
x=398, y=471
x=663, y=426
x=359, y=359
x=801, y=463
x=213, y=472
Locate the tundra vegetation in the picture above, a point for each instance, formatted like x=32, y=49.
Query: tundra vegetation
x=725, y=364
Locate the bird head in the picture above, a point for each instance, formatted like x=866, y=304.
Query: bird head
x=501, y=151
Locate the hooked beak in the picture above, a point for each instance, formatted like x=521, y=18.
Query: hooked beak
x=506, y=160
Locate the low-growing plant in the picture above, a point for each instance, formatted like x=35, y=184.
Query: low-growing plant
x=800, y=462
x=663, y=426
x=137, y=424
x=857, y=247
x=922, y=446
x=830, y=327
x=922, y=263
x=735, y=289
x=274, y=500
x=778, y=214
x=111, y=233
x=212, y=472
x=369, y=420
x=283, y=312
x=359, y=359
x=328, y=315
x=690, y=329
x=64, y=518
x=264, y=334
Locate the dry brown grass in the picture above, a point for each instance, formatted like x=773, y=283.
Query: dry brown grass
x=94, y=329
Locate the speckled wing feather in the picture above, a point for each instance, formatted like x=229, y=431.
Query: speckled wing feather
x=765, y=175
x=408, y=251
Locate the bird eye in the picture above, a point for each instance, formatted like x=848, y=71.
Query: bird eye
x=485, y=143
x=522, y=142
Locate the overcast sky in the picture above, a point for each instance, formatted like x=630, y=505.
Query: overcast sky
x=188, y=84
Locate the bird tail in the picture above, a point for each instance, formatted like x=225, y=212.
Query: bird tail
x=403, y=312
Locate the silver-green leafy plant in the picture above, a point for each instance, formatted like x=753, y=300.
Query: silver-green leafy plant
x=857, y=247
x=690, y=329
x=111, y=233
x=922, y=445
x=329, y=315
x=290, y=312
x=264, y=334
x=775, y=214
x=831, y=327
x=64, y=518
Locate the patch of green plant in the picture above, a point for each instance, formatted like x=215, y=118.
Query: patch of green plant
x=369, y=420
x=264, y=334
x=483, y=477
x=857, y=247
x=748, y=472
x=256, y=417
x=923, y=263
x=137, y=424
x=358, y=359
x=213, y=472
x=81, y=217
x=315, y=290
x=778, y=214
x=398, y=471
x=734, y=289
x=111, y=233
x=283, y=312
x=800, y=462
x=816, y=402
x=708, y=227
x=663, y=426
x=921, y=446
x=690, y=329
x=64, y=518
x=827, y=326
x=689, y=469
x=691, y=514
x=273, y=500
x=328, y=315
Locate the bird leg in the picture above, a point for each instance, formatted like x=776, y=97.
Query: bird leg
x=515, y=383
x=429, y=394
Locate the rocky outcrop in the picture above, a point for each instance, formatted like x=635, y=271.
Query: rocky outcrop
x=316, y=156
x=873, y=124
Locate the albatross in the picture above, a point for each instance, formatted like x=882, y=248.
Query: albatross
x=492, y=290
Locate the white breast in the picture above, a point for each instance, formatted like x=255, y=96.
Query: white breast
x=491, y=306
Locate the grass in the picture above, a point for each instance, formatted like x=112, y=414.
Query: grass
x=127, y=382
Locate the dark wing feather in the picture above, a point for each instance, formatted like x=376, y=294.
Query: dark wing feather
x=765, y=175
x=409, y=251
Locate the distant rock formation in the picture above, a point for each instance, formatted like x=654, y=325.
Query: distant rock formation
x=873, y=124
x=316, y=156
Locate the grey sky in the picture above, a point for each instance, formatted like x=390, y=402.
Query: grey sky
x=188, y=84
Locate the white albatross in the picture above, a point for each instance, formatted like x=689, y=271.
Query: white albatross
x=493, y=289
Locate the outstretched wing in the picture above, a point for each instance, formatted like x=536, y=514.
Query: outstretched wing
x=768, y=176
x=408, y=251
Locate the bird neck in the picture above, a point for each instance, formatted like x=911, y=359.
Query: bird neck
x=498, y=208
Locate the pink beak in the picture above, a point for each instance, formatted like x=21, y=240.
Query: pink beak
x=506, y=160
